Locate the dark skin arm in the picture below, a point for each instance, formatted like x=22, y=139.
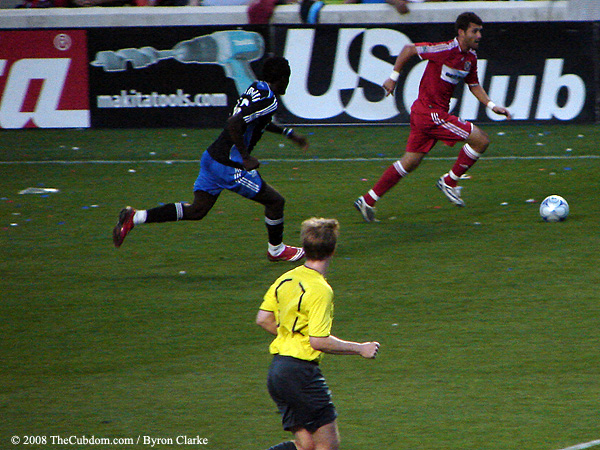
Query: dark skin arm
x=297, y=138
x=236, y=127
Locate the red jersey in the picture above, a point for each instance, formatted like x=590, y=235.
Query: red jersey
x=447, y=65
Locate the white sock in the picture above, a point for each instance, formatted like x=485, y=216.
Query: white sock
x=400, y=169
x=140, y=217
x=470, y=152
x=276, y=250
x=373, y=195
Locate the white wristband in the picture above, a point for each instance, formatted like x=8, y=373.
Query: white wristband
x=394, y=75
x=491, y=105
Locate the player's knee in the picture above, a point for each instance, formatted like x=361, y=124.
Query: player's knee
x=485, y=142
x=480, y=141
x=410, y=161
x=410, y=166
x=277, y=205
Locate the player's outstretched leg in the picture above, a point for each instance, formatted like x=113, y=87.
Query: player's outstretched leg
x=124, y=225
x=365, y=204
x=170, y=212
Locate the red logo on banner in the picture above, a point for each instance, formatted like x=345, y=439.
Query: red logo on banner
x=44, y=79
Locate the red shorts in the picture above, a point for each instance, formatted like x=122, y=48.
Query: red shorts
x=427, y=126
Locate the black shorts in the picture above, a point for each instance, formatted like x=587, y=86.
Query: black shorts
x=301, y=393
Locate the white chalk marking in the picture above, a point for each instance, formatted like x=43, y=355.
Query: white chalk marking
x=294, y=160
x=584, y=445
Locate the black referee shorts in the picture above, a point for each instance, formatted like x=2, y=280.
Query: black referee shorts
x=301, y=393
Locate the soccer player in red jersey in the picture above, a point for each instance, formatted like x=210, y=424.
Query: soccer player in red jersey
x=430, y=120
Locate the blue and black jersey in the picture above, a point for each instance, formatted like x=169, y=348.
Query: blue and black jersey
x=257, y=106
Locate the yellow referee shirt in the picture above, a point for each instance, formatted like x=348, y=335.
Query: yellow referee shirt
x=302, y=302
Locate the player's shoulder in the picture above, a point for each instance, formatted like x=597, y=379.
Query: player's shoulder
x=436, y=47
x=259, y=90
x=316, y=281
x=307, y=276
x=292, y=275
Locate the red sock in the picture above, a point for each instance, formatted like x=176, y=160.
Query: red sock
x=388, y=180
x=466, y=158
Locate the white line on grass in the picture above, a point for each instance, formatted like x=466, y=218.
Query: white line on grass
x=582, y=446
x=298, y=160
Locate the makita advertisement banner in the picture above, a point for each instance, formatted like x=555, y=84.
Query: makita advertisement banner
x=169, y=77
x=337, y=72
x=132, y=77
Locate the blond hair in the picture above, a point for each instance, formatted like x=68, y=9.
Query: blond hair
x=319, y=237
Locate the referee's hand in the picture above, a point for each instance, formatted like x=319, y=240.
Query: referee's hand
x=369, y=349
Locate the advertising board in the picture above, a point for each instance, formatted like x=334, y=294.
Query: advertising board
x=338, y=71
x=43, y=79
x=177, y=77
x=191, y=76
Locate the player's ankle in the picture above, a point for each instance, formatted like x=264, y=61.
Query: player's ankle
x=450, y=181
x=370, y=199
x=276, y=250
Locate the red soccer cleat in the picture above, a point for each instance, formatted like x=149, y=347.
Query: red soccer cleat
x=124, y=225
x=288, y=254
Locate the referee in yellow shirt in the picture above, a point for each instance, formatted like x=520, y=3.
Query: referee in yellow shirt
x=298, y=310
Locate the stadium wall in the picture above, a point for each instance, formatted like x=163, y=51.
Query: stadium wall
x=185, y=66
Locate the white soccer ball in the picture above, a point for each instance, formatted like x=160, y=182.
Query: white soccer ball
x=554, y=208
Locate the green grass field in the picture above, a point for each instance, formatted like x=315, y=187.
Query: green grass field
x=488, y=317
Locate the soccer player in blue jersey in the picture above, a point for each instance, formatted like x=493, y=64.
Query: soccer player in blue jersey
x=228, y=164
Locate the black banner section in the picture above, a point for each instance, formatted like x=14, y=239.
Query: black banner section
x=540, y=71
x=191, y=76
x=169, y=77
